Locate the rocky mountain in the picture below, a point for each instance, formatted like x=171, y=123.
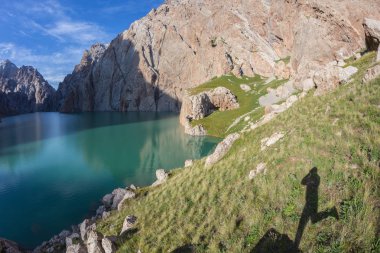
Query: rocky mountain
x=23, y=90
x=184, y=43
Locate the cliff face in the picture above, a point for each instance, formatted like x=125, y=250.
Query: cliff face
x=23, y=90
x=184, y=43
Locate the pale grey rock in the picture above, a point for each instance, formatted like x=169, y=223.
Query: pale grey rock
x=161, y=176
x=100, y=211
x=94, y=242
x=86, y=226
x=222, y=149
x=129, y=194
x=245, y=87
x=72, y=238
x=260, y=168
x=197, y=130
x=76, y=248
x=346, y=73
x=105, y=215
x=107, y=200
x=189, y=163
x=128, y=224
x=276, y=95
x=118, y=196
x=307, y=84
x=108, y=245
x=273, y=139
x=372, y=73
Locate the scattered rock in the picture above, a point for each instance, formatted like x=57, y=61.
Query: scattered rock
x=74, y=238
x=267, y=142
x=107, y=200
x=118, y=197
x=189, y=163
x=346, y=73
x=261, y=167
x=222, y=148
x=245, y=87
x=108, y=245
x=276, y=95
x=371, y=73
x=128, y=195
x=128, y=224
x=7, y=246
x=76, y=248
x=85, y=227
x=161, y=176
x=94, y=242
x=247, y=118
x=100, y=211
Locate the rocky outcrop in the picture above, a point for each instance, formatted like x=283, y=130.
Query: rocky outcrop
x=7, y=246
x=128, y=224
x=222, y=149
x=161, y=176
x=372, y=73
x=184, y=43
x=276, y=95
x=23, y=90
x=198, y=106
x=372, y=33
x=269, y=141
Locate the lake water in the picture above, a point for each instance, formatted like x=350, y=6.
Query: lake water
x=55, y=168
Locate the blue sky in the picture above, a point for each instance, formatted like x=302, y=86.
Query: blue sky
x=51, y=35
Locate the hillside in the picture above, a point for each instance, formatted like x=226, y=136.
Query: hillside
x=218, y=209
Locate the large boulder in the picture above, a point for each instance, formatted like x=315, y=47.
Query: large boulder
x=222, y=149
x=161, y=176
x=94, y=242
x=7, y=246
x=128, y=224
x=118, y=197
x=269, y=141
x=129, y=194
x=372, y=33
x=108, y=245
x=195, y=107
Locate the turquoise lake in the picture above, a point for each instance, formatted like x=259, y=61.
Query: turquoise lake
x=55, y=168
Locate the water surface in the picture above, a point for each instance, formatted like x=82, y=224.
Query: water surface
x=54, y=168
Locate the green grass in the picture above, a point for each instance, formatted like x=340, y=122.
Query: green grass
x=218, y=209
x=218, y=122
x=286, y=59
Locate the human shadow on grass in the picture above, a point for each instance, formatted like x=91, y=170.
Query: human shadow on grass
x=273, y=241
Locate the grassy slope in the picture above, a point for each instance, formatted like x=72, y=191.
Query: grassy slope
x=219, y=209
x=218, y=122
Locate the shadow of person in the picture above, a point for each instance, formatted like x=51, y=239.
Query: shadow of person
x=275, y=242
x=310, y=211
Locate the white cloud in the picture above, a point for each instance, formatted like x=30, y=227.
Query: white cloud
x=53, y=66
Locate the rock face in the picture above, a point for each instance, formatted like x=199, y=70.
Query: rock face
x=7, y=246
x=23, y=90
x=203, y=104
x=184, y=43
x=161, y=176
x=128, y=224
x=372, y=73
x=222, y=149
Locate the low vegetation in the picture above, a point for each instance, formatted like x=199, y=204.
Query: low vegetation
x=219, y=122
x=217, y=209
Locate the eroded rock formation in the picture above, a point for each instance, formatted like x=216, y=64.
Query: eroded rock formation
x=23, y=90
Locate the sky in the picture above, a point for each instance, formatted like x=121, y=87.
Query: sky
x=51, y=35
